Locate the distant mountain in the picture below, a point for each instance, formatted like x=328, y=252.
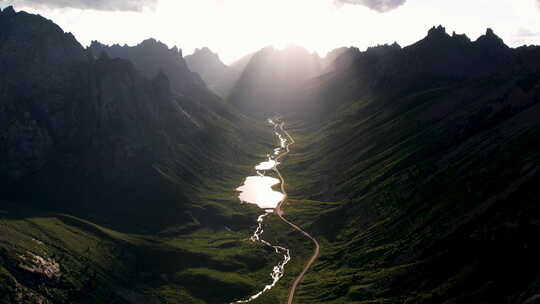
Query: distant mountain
x=240, y=65
x=329, y=61
x=152, y=56
x=218, y=77
x=272, y=78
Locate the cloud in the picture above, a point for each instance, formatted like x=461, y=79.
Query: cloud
x=101, y=5
x=377, y=5
x=523, y=32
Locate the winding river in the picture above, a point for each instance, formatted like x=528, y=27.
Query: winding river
x=258, y=190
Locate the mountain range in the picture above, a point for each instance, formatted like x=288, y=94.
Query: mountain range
x=414, y=167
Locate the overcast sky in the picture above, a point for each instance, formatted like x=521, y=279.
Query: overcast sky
x=234, y=28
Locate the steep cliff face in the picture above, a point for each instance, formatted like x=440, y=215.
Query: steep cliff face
x=118, y=142
x=38, y=64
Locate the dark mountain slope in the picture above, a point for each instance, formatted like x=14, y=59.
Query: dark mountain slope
x=437, y=60
x=345, y=55
x=116, y=187
x=124, y=127
x=37, y=62
x=151, y=57
x=218, y=77
x=421, y=190
x=438, y=57
x=93, y=136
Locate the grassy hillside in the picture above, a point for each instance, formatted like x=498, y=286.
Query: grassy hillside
x=118, y=180
x=177, y=265
x=423, y=197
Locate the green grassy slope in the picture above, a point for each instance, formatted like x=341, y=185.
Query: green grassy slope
x=118, y=184
x=177, y=265
x=423, y=197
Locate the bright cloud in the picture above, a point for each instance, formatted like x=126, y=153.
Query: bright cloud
x=105, y=5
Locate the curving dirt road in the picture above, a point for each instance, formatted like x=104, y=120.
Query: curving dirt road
x=281, y=214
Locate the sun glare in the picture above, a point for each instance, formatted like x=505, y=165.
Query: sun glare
x=236, y=28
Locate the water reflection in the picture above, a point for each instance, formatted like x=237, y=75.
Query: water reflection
x=267, y=165
x=258, y=190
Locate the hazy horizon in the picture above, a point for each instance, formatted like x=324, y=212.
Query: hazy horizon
x=235, y=29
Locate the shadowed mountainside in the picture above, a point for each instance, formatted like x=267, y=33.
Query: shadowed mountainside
x=117, y=176
x=438, y=59
x=418, y=174
x=101, y=130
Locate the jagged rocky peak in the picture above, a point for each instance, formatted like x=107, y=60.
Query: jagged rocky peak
x=438, y=40
x=205, y=51
x=460, y=37
x=8, y=10
x=384, y=48
x=21, y=27
x=149, y=57
x=202, y=56
x=153, y=43
x=439, y=31
x=149, y=45
x=490, y=39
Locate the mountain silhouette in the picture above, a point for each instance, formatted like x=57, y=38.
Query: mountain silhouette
x=256, y=93
x=219, y=77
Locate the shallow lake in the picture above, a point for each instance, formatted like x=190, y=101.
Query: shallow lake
x=258, y=190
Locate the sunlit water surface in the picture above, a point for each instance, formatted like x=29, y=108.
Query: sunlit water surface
x=267, y=165
x=258, y=190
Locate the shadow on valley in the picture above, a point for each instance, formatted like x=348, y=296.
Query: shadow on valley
x=119, y=175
